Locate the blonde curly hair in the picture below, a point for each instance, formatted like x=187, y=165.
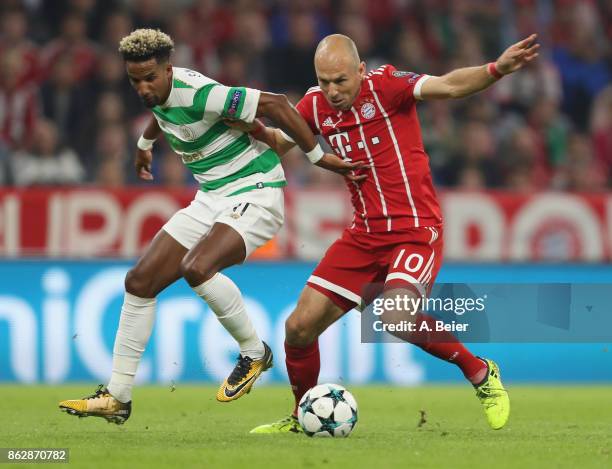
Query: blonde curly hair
x=144, y=44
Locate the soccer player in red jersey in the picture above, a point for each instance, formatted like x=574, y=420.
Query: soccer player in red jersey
x=396, y=235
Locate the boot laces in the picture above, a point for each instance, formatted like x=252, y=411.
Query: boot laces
x=240, y=370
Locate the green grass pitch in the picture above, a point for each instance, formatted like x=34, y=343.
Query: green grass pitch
x=549, y=426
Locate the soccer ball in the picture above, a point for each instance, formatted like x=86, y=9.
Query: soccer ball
x=327, y=410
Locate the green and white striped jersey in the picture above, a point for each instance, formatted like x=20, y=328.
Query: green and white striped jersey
x=223, y=160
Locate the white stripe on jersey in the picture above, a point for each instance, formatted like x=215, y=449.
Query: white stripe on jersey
x=232, y=166
x=365, y=212
x=434, y=234
x=427, y=269
x=371, y=160
x=427, y=278
x=183, y=97
x=407, y=278
x=195, y=129
x=349, y=295
x=399, y=258
x=314, y=113
x=378, y=71
x=312, y=89
x=398, y=153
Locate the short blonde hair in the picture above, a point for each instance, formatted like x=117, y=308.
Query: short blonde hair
x=144, y=44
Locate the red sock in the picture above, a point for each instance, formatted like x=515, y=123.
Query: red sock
x=445, y=346
x=303, y=365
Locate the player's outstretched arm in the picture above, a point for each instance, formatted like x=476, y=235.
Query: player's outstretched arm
x=144, y=154
x=467, y=81
x=272, y=137
x=278, y=109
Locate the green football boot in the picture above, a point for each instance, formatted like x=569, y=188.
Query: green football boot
x=287, y=425
x=493, y=396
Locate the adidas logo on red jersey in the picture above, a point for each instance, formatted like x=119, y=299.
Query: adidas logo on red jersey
x=330, y=123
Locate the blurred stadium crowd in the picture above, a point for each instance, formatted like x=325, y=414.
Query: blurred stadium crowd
x=69, y=116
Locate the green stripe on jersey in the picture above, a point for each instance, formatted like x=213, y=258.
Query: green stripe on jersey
x=186, y=115
x=196, y=145
x=180, y=84
x=225, y=155
x=264, y=163
x=234, y=102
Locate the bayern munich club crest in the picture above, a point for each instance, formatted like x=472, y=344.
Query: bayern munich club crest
x=368, y=110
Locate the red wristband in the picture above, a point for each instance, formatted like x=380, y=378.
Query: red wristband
x=492, y=70
x=259, y=129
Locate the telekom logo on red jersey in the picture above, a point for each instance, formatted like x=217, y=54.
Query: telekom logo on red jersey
x=336, y=141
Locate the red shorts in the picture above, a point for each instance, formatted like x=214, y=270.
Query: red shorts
x=359, y=265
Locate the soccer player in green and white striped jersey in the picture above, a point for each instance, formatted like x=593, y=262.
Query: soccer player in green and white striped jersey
x=238, y=207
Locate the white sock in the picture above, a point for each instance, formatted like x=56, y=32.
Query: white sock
x=224, y=298
x=135, y=326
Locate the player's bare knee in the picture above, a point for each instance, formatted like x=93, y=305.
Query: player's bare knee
x=298, y=332
x=401, y=329
x=394, y=317
x=137, y=283
x=196, y=271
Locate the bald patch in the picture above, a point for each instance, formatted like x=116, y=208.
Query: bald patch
x=337, y=50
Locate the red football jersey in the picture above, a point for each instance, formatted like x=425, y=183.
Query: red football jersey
x=381, y=129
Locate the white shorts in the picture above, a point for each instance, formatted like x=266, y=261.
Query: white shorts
x=256, y=215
